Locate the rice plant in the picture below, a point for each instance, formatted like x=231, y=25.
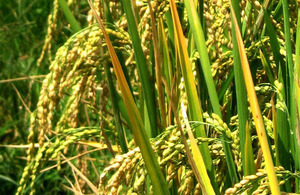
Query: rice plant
x=169, y=97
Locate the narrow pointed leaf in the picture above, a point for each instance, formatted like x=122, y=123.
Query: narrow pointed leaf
x=205, y=63
x=140, y=136
x=257, y=117
x=207, y=187
x=192, y=96
x=148, y=88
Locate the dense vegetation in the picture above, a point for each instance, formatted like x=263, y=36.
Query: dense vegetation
x=142, y=97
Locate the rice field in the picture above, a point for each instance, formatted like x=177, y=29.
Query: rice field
x=150, y=97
